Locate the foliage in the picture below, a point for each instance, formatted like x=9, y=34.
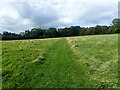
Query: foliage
x=116, y=25
x=64, y=32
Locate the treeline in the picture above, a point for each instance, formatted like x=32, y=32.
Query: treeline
x=37, y=33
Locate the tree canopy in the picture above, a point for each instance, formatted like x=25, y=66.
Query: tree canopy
x=37, y=33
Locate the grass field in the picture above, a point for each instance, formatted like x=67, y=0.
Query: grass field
x=71, y=62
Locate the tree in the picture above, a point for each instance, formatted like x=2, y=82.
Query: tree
x=51, y=32
x=116, y=21
x=10, y=36
x=116, y=25
x=98, y=29
x=74, y=30
x=36, y=33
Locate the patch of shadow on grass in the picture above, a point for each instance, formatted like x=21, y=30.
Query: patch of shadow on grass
x=105, y=84
x=6, y=74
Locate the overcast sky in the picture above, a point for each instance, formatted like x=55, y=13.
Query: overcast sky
x=20, y=16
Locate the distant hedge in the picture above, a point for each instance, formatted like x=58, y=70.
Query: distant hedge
x=37, y=33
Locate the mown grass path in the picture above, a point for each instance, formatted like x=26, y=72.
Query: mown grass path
x=85, y=61
x=60, y=70
x=42, y=64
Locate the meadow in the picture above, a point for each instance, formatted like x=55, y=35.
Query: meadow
x=68, y=62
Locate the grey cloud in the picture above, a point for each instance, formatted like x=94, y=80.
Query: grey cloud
x=99, y=13
x=55, y=14
x=38, y=16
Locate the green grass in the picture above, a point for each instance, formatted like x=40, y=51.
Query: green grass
x=100, y=55
x=74, y=62
x=21, y=61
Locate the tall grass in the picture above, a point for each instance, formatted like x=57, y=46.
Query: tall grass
x=100, y=55
x=75, y=62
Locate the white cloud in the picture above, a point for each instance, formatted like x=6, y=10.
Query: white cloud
x=19, y=16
